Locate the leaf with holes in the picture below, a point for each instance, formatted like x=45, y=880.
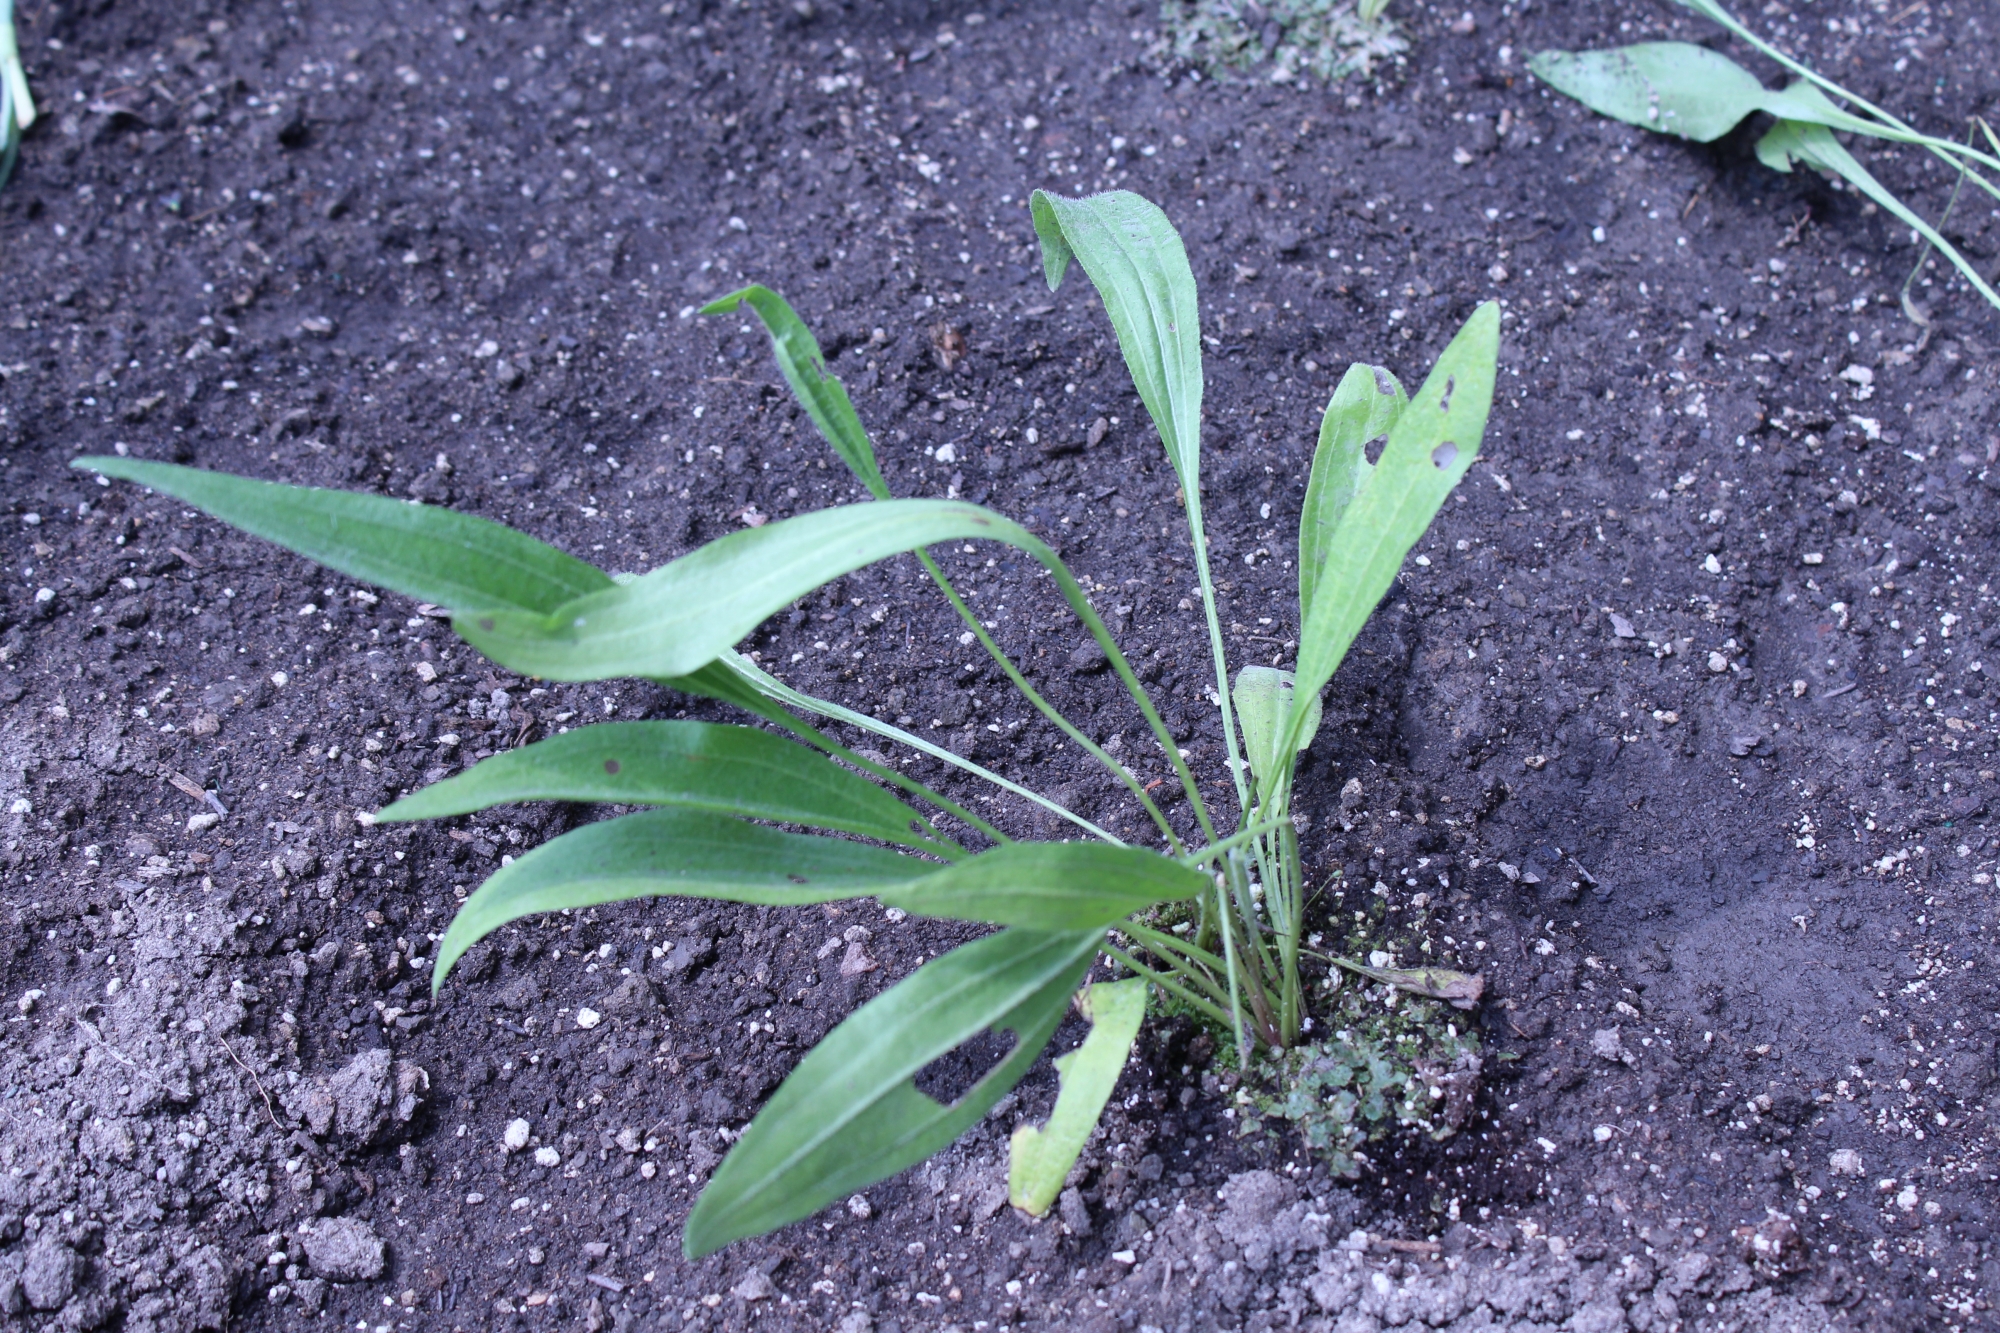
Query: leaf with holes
x=673, y=852
x=1364, y=407
x=1038, y=1160
x=1432, y=444
x=455, y=560
x=704, y=765
x=851, y=1114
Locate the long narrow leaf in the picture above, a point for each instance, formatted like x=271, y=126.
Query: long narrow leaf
x=703, y=765
x=1038, y=1160
x=851, y=1114
x=1135, y=259
x=1791, y=140
x=1363, y=409
x=455, y=560
x=1050, y=886
x=822, y=394
x=667, y=853
x=1431, y=447
x=683, y=615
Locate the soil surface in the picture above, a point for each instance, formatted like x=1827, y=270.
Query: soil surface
x=1680, y=729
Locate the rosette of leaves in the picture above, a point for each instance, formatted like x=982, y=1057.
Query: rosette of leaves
x=722, y=806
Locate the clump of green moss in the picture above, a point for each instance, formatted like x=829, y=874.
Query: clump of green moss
x=1328, y=38
x=1392, y=1065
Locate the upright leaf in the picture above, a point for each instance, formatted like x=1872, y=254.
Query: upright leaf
x=1430, y=448
x=1792, y=140
x=1135, y=257
x=851, y=1114
x=1264, y=704
x=455, y=560
x=1050, y=886
x=1038, y=1160
x=1363, y=408
x=822, y=395
x=672, y=853
x=702, y=765
x=682, y=615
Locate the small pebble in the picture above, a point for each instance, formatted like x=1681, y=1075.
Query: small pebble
x=588, y=1018
x=549, y=1157
x=858, y=1206
x=516, y=1137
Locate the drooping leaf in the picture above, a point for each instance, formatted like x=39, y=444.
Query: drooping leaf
x=1263, y=705
x=1461, y=989
x=455, y=560
x=673, y=852
x=1686, y=90
x=822, y=395
x=1135, y=257
x=1675, y=88
x=851, y=1114
x=1050, y=886
x=682, y=615
x=1363, y=409
x=1430, y=448
x=1038, y=1160
x=1791, y=140
x=732, y=770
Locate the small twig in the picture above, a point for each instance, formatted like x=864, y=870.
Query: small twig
x=1694, y=199
x=1838, y=690
x=1797, y=227
x=1908, y=10
x=254, y=1079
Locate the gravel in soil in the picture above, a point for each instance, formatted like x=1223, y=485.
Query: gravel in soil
x=1678, y=728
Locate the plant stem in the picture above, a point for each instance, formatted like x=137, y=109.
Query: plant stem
x=1230, y=843
x=1043, y=706
x=1166, y=983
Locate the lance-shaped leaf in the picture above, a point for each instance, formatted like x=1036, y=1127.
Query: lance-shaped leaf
x=1363, y=409
x=435, y=555
x=1692, y=92
x=681, y=616
x=1050, y=885
x=1792, y=140
x=729, y=769
x=851, y=1114
x=1461, y=989
x=1432, y=444
x=823, y=395
x=17, y=106
x=673, y=852
x=1135, y=257
x=1038, y=1160
x=1263, y=706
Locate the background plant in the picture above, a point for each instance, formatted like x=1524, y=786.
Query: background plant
x=1327, y=38
x=850, y=1113
x=17, y=108
x=1694, y=93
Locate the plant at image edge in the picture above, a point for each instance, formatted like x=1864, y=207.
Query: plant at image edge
x=17, y=108
x=850, y=1113
x=1694, y=93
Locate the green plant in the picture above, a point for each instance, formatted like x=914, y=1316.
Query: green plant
x=1694, y=93
x=1328, y=38
x=17, y=108
x=850, y=1113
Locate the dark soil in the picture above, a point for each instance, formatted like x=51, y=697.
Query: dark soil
x=1719, y=837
